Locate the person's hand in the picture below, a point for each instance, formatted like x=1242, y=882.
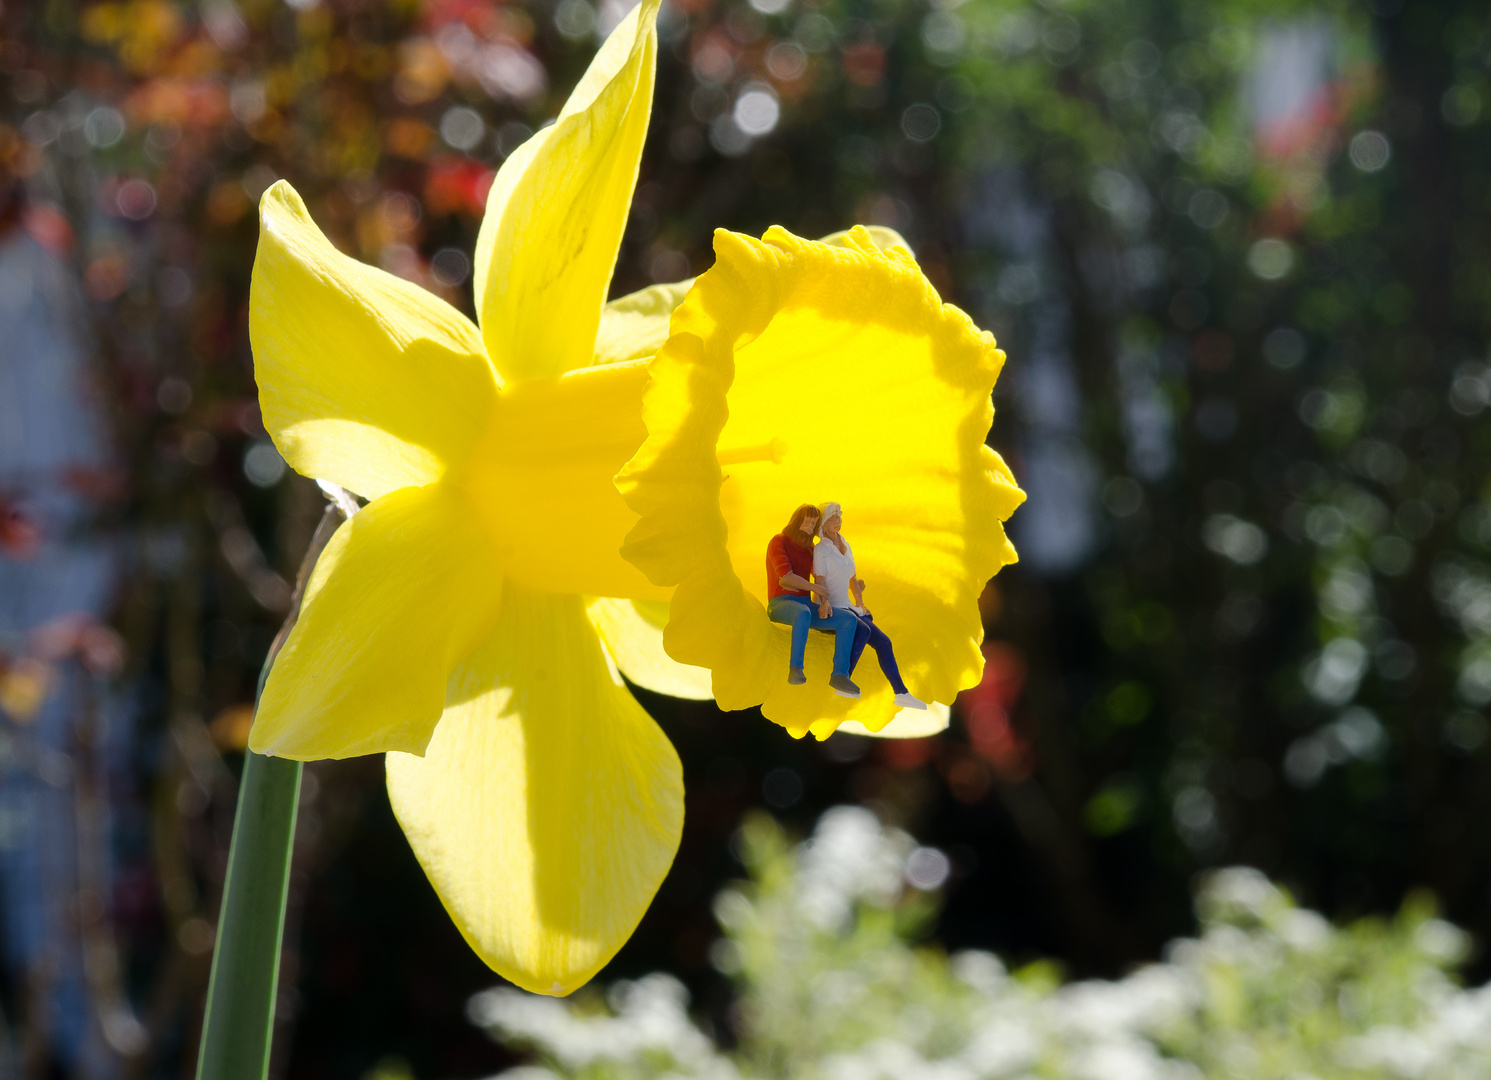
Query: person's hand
x=820, y=591
x=823, y=609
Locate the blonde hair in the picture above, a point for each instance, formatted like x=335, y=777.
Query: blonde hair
x=826, y=511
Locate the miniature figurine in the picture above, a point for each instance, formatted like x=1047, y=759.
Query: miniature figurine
x=789, y=569
x=833, y=566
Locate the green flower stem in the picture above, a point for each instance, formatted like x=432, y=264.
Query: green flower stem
x=239, y=1023
x=238, y=1026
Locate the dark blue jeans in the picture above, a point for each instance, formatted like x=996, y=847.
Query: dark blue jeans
x=801, y=614
x=871, y=635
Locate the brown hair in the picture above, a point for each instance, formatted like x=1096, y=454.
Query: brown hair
x=795, y=521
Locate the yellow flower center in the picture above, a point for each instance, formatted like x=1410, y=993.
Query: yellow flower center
x=540, y=478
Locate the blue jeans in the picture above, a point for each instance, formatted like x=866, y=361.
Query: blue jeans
x=876, y=638
x=801, y=614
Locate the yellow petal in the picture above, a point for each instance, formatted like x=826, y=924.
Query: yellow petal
x=907, y=724
x=364, y=378
x=636, y=325
x=556, y=211
x=402, y=594
x=542, y=479
x=548, y=806
x=901, y=383
x=884, y=239
x=632, y=631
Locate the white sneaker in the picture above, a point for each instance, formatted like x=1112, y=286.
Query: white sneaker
x=910, y=701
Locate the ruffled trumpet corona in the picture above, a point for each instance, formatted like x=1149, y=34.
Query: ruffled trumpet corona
x=900, y=388
x=470, y=620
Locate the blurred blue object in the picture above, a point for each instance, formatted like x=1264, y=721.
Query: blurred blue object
x=1056, y=530
x=57, y=576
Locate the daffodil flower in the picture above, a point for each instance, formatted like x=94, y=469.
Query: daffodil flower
x=900, y=384
x=471, y=618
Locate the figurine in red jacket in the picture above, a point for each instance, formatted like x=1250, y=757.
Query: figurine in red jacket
x=793, y=596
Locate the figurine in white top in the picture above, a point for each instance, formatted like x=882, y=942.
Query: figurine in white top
x=833, y=566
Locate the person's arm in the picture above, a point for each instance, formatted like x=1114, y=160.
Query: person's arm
x=792, y=581
x=856, y=586
x=781, y=566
